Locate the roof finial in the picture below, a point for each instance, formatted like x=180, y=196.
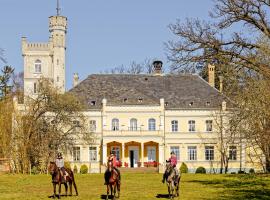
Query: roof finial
x=58, y=8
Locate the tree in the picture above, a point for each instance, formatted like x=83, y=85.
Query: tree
x=5, y=81
x=50, y=122
x=201, y=41
x=145, y=67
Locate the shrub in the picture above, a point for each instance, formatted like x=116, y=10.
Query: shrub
x=84, y=169
x=35, y=170
x=200, y=170
x=75, y=169
x=183, y=168
x=241, y=172
x=67, y=165
x=251, y=171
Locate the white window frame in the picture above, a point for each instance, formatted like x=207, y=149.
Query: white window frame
x=133, y=124
x=233, y=153
x=38, y=66
x=93, y=125
x=76, y=153
x=209, y=153
x=191, y=125
x=151, y=124
x=192, y=153
x=176, y=150
x=93, y=154
x=174, y=125
x=209, y=125
x=115, y=124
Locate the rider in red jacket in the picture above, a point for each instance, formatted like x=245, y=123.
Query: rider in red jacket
x=173, y=161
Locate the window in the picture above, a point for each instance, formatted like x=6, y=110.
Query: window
x=76, y=154
x=35, y=88
x=232, y=153
x=76, y=125
x=151, y=153
x=174, y=125
x=116, y=152
x=209, y=125
x=133, y=125
x=93, y=154
x=175, y=149
x=209, y=153
x=192, y=153
x=140, y=100
x=115, y=124
x=151, y=124
x=93, y=125
x=191, y=125
x=37, y=66
x=93, y=103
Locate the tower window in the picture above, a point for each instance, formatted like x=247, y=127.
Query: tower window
x=37, y=66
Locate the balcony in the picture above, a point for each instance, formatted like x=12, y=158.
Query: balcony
x=132, y=133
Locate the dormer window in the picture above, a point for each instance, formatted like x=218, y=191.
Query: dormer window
x=166, y=103
x=93, y=103
x=208, y=103
x=125, y=100
x=140, y=100
x=37, y=66
x=191, y=103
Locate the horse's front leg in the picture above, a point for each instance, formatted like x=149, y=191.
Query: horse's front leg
x=118, y=190
x=59, y=192
x=107, y=197
x=54, y=190
x=114, y=191
x=66, y=188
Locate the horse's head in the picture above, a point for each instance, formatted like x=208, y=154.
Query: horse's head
x=169, y=167
x=110, y=165
x=52, y=168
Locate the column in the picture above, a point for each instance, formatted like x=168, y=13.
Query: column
x=142, y=154
x=161, y=155
x=104, y=152
x=123, y=154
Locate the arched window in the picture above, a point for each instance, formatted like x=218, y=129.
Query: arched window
x=133, y=125
x=115, y=124
x=37, y=66
x=151, y=124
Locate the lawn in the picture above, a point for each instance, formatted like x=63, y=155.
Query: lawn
x=142, y=186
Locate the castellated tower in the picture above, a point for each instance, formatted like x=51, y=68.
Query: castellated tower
x=46, y=59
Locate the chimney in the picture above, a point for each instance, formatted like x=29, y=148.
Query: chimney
x=75, y=79
x=157, y=65
x=211, y=75
x=221, y=83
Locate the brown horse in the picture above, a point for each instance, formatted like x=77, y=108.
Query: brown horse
x=172, y=181
x=112, y=181
x=57, y=179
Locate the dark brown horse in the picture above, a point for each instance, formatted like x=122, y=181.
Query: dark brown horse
x=57, y=179
x=112, y=181
x=172, y=181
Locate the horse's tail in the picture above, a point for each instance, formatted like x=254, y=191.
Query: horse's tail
x=74, y=183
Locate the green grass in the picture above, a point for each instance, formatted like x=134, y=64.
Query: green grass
x=142, y=186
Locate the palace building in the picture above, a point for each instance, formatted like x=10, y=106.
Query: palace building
x=142, y=118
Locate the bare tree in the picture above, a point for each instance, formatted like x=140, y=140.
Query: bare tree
x=201, y=41
x=49, y=122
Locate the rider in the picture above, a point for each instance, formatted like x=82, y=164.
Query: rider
x=173, y=161
x=60, y=164
x=112, y=158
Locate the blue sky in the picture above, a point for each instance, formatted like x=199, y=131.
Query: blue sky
x=102, y=34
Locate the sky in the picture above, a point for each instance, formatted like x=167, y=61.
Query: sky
x=102, y=34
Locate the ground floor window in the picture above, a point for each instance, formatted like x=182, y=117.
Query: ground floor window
x=151, y=152
x=232, y=153
x=209, y=153
x=175, y=149
x=192, y=153
x=116, y=151
x=76, y=154
x=93, y=154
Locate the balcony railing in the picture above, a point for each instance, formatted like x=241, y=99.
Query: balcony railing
x=132, y=133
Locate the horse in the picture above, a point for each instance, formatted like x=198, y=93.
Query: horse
x=57, y=179
x=172, y=181
x=112, y=181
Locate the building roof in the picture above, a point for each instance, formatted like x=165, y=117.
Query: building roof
x=185, y=91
